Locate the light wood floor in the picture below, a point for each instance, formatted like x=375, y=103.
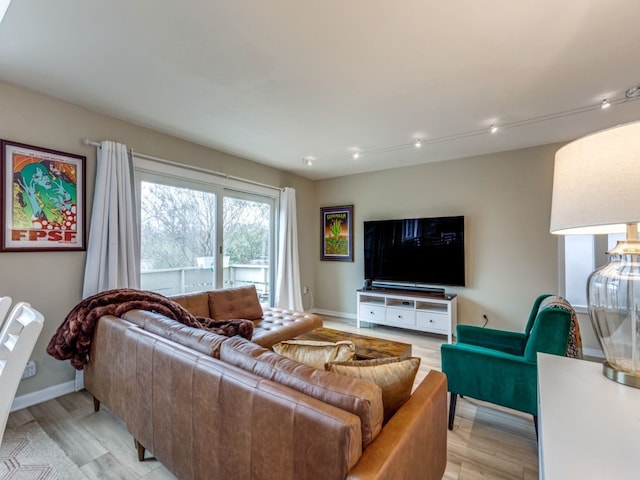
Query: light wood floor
x=487, y=442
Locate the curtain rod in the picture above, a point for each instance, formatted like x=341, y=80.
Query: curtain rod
x=86, y=141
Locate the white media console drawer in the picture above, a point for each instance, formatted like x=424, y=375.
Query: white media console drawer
x=426, y=312
x=372, y=313
x=432, y=321
x=400, y=317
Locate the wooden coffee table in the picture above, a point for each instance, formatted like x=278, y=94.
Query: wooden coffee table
x=366, y=347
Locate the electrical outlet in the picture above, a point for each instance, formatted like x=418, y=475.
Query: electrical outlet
x=29, y=370
x=305, y=290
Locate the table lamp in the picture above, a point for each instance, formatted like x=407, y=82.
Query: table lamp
x=596, y=190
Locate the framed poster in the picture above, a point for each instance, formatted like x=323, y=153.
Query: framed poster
x=43, y=197
x=337, y=233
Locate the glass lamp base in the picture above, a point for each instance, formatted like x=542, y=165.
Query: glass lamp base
x=613, y=296
x=620, y=376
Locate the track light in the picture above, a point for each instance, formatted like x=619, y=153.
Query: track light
x=631, y=94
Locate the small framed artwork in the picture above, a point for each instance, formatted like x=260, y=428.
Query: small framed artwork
x=43, y=198
x=337, y=233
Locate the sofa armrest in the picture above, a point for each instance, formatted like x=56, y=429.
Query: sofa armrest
x=413, y=444
x=502, y=340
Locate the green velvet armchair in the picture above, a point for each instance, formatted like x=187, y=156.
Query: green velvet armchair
x=499, y=366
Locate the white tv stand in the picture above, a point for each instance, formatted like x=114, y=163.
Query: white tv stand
x=427, y=312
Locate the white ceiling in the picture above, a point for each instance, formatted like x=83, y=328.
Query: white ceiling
x=275, y=81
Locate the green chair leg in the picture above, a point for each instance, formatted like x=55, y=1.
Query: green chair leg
x=453, y=398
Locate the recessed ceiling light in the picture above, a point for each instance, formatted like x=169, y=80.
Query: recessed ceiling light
x=307, y=161
x=417, y=143
x=493, y=129
x=605, y=104
x=356, y=155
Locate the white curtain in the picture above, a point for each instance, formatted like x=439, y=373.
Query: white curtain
x=113, y=251
x=288, y=287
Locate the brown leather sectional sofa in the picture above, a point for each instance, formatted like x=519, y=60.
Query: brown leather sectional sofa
x=213, y=407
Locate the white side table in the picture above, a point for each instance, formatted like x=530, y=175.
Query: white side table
x=588, y=425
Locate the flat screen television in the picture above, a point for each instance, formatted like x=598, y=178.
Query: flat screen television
x=415, y=252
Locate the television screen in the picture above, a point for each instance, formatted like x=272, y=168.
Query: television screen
x=422, y=251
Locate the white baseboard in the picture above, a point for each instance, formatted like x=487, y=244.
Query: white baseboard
x=79, y=380
x=331, y=313
x=29, y=399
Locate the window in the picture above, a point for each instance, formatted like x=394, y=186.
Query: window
x=177, y=238
x=199, y=231
x=582, y=255
x=247, y=242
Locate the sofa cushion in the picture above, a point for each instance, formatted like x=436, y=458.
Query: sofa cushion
x=277, y=325
x=232, y=303
x=395, y=376
x=200, y=340
x=196, y=303
x=315, y=353
x=354, y=395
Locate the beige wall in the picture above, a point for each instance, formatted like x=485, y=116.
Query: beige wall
x=506, y=200
x=52, y=281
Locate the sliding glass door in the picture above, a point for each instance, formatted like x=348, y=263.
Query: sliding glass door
x=177, y=239
x=199, y=236
x=248, y=244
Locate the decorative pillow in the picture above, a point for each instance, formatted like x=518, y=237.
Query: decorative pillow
x=393, y=375
x=234, y=303
x=351, y=394
x=315, y=353
x=196, y=303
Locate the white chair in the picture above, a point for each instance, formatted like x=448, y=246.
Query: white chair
x=19, y=335
x=5, y=303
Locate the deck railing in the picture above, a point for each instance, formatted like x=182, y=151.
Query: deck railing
x=175, y=281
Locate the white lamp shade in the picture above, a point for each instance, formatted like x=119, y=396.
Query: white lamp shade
x=596, y=182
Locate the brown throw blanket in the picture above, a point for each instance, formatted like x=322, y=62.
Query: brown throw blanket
x=72, y=340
